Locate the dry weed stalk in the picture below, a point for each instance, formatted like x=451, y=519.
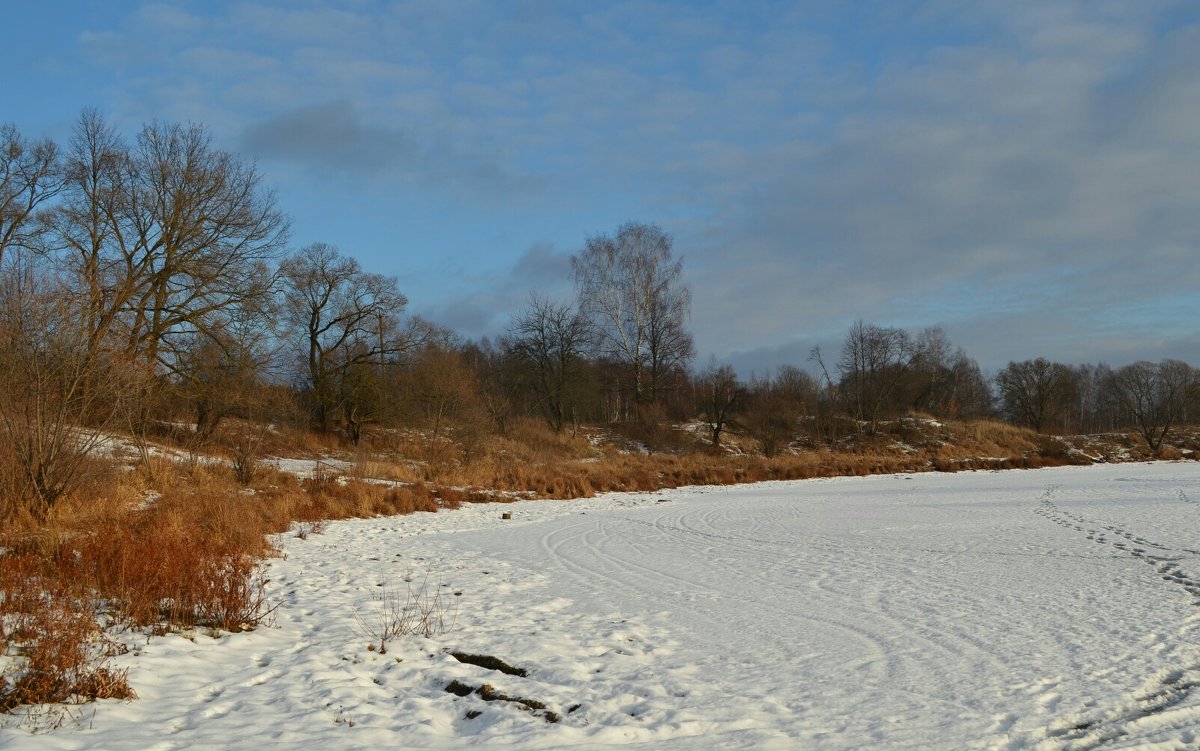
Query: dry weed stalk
x=314, y=527
x=421, y=612
x=244, y=452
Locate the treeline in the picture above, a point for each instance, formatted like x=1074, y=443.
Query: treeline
x=151, y=282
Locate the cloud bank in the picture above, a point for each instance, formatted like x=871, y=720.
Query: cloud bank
x=1022, y=174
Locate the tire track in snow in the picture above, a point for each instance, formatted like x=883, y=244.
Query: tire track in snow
x=596, y=554
x=1155, y=707
x=913, y=637
x=568, y=546
x=898, y=644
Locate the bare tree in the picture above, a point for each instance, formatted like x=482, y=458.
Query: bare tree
x=1036, y=393
x=344, y=322
x=88, y=227
x=549, y=340
x=942, y=380
x=1097, y=410
x=776, y=408
x=721, y=395
x=970, y=396
x=873, y=362
x=30, y=175
x=499, y=378
x=927, y=384
x=1155, y=396
x=441, y=390
x=165, y=239
x=829, y=403
x=632, y=291
x=224, y=375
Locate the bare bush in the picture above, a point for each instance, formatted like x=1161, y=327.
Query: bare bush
x=422, y=611
x=60, y=396
x=776, y=407
x=244, y=451
x=315, y=527
x=232, y=596
x=163, y=570
x=64, y=655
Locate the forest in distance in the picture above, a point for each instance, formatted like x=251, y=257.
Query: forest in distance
x=151, y=280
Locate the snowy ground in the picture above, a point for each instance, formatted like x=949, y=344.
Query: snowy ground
x=1051, y=609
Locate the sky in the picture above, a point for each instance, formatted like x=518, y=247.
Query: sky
x=1023, y=174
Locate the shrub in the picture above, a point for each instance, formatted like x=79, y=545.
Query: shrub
x=64, y=654
x=160, y=573
x=422, y=612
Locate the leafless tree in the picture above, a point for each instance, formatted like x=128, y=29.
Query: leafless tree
x=30, y=175
x=344, y=322
x=549, y=341
x=1097, y=410
x=165, y=238
x=942, y=380
x=721, y=395
x=632, y=292
x=969, y=395
x=442, y=392
x=225, y=374
x=1036, y=392
x=873, y=362
x=828, y=405
x=927, y=384
x=1155, y=396
x=499, y=378
x=775, y=408
x=89, y=228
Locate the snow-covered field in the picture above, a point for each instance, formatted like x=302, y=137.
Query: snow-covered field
x=1050, y=609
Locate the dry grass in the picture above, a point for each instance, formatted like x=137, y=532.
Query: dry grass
x=166, y=547
x=572, y=467
x=64, y=654
x=341, y=498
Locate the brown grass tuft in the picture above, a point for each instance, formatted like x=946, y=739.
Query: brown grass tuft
x=64, y=655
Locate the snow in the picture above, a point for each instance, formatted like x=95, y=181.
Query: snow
x=306, y=468
x=1049, y=610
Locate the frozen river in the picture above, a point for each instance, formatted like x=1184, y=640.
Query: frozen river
x=1049, y=609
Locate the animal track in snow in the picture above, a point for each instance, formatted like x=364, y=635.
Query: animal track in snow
x=1133, y=544
x=1162, y=700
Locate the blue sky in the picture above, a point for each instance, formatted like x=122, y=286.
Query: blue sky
x=1024, y=174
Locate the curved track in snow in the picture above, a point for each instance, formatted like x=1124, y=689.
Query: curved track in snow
x=1056, y=610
